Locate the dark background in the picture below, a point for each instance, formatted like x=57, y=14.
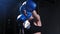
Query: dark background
x=49, y=11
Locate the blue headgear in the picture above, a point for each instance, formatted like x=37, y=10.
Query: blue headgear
x=30, y=5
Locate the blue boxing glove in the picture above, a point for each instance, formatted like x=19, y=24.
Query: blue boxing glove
x=22, y=18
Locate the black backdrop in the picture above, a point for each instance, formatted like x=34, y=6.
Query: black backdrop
x=49, y=11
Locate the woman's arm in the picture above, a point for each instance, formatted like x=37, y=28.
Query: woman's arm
x=38, y=22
